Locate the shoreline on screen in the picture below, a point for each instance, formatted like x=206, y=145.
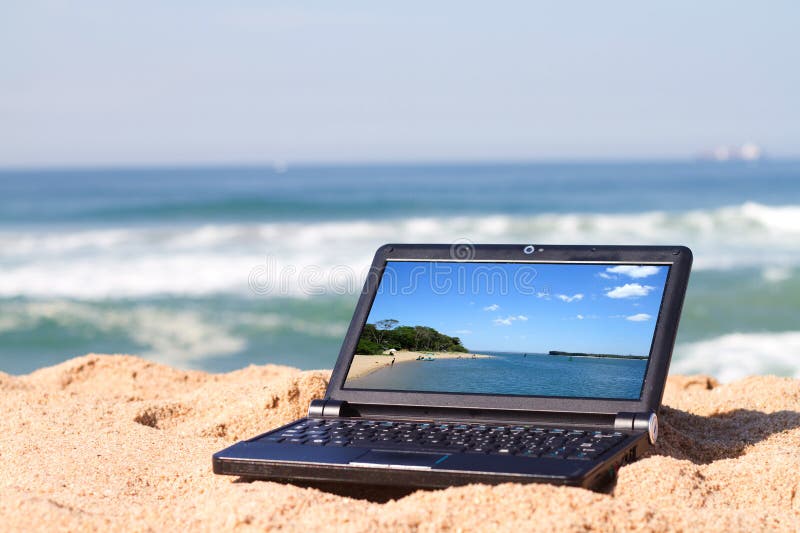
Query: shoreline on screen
x=596, y=355
x=363, y=365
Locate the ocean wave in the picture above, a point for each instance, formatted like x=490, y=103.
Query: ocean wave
x=177, y=337
x=736, y=355
x=140, y=261
x=180, y=336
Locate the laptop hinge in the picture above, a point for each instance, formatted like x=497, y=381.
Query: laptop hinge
x=325, y=407
x=472, y=415
x=639, y=421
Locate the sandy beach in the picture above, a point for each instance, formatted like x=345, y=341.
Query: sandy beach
x=363, y=365
x=120, y=443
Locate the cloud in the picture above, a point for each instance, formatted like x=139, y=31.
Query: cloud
x=634, y=271
x=500, y=321
x=543, y=294
x=579, y=317
x=574, y=298
x=638, y=317
x=606, y=276
x=493, y=307
x=630, y=290
x=463, y=331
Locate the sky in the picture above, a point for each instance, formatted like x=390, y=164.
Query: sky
x=521, y=307
x=88, y=82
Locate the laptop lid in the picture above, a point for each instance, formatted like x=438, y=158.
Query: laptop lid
x=578, y=329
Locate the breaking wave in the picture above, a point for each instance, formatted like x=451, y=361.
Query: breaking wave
x=141, y=261
x=737, y=355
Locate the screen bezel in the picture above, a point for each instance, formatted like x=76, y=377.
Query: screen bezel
x=678, y=258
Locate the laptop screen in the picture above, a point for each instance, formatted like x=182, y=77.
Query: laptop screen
x=568, y=330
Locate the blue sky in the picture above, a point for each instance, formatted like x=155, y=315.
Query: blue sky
x=114, y=83
x=527, y=307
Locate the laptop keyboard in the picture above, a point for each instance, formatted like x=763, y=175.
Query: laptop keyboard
x=526, y=441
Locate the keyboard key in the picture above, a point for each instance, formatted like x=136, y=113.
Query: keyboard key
x=478, y=449
x=428, y=448
x=592, y=450
x=555, y=454
x=579, y=455
x=524, y=441
x=530, y=453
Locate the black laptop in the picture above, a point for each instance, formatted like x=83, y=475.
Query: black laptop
x=489, y=364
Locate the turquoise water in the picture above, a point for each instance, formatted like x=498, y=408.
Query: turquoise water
x=217, y=268
x=532, y=375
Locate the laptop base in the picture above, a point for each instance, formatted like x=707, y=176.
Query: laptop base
x=255, y=459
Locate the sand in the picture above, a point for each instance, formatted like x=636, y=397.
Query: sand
x=364, y=365
x=119, y=443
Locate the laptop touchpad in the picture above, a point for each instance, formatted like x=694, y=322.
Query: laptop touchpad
x=403, y=460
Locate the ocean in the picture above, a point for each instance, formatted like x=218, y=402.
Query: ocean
x=511, y=373
x=218, y=268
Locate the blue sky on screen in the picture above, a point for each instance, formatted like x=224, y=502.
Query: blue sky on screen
x=527, y=307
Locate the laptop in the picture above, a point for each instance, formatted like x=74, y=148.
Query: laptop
x=489, y=364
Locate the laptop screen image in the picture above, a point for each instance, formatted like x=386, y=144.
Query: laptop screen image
x=567, y=330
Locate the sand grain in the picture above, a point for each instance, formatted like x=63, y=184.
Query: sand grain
x=118, y=442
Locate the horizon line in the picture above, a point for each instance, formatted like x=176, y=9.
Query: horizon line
x=283, y=166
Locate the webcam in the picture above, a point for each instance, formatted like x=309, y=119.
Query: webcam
x=529, y=249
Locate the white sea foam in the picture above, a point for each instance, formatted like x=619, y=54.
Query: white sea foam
x=223, y=258
x=776, y=274
x=178, y=337
x=736, y=355
x=269, y=322
x=175, y=337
